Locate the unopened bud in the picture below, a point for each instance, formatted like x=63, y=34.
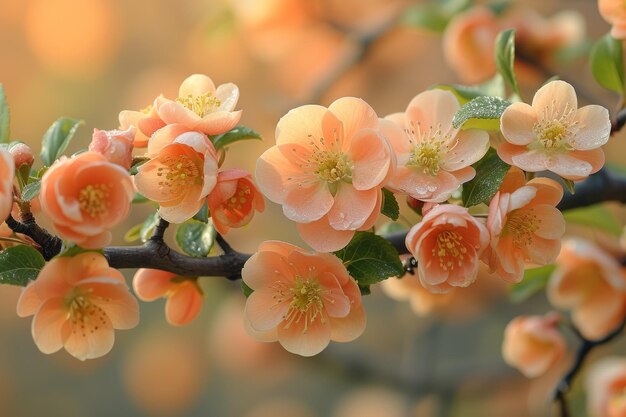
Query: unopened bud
x=22, y=154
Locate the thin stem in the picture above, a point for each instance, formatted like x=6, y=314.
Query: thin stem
x=223, y=244
x=159, y=230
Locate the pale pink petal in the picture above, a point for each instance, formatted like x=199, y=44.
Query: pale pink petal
x=595, y=157
x=307, y=203
x=218, y=122
x=595, y=128
x=172, y=112
x=532, y=161
x=263, y=310
x=469, y=147
x=255, y=271
x=29, y=301
x=304, y=340
x=521, y=197
x=184, y=304
x=464, y=175
x=92, y=341
x=268, y=336
x=369, y=223
x=397, y=138
x=346, y=329
x=556, y=96
x=446, y=184
x=273, y=173
x=150, y=284
x=228, y=95
x=307, y=125
x=281, y=248
x=183, y=211
x=507, y=151
x=370, y=155
x=114, y=299
x=355, y=114
x=552, y=224
x=543, y=251
x=163, y=137
x=196, y=85
x=336, y=303
x=568, y=166
x=433, y=108
x=548, y=191
x=352, y=207
x=322, y=237
x=48, y=324
x=517, y=123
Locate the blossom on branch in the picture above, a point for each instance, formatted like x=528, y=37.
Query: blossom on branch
x=77, y=302
x=302, y=300
x=433, y=158
x=447, y=244
x=85, y=196
x=184, y=296
x=115, y=145
x=554, y=134
x=614, y=12
x=533, y=344
x=145, y=122
x=234, y=199
x=7, y=173
x=327, y=170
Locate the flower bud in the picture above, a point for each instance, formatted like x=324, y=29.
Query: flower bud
x=22, y=154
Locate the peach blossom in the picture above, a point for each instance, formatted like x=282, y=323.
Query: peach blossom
x=327, y=170
x=605, y=384
x=447, y=244
x=184, y=296
x=182, y=171
x=524, y=225
x=202, y=107
x=233, y=200
x=301, y=299
x=469, y=44
x=115, y=145
x=614, y=12
x=145, y=122
x=77, y=302
x=533, y=344
x=592, y=285
x=7, y=173
x=433, y=158
x=554, y=134
x=85, y=196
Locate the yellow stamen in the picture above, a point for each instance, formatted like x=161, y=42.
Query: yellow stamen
x=450, y=250
x=93, y=199
x=201, y=105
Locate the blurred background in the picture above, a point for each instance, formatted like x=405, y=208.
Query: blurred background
x=90, y=59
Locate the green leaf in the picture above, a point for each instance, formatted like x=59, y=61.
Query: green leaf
x=5, y=117
x=535, y=280
x=195, y=238
x=136, y=164
x=464, y=93
x=203, y=214
x=490, y=172
x=20, y=264
x=22, y=175
x=433, y=16
x=139, y=198
x=569, y=186
x=390, y=228
x=57, y=138
x=607, y=63
x=390, y=206
x=370, y=258
x=481, y=113
x=31, y=190
x=596, y=216
x=148, y=226
x=505, y=58
x=133, y=234
x=74, y=250
x=234, y=135
x=246, y=290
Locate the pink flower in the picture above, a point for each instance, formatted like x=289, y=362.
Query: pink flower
x=533, y=344
x=447, y=244
x=301, y=299
x=553, y=134
x=182, y=171
x=614, y=12
x=233, y=200
x=605, y=384
x=145, y=122
x=115, y=145
x=327, y=170
x=7, y=174
x=524, y=225
x=85, y=196
x=184, y=296
x=592, y=285
x=22, y=154
x=202, y=107
x=77, y=302
x=433, y=158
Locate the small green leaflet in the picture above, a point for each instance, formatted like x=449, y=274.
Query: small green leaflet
x=596, y=216
x=31, y=190
x=195, y=238
x=234, y=135
x=481, y=113
x=607, y=63
x=505, y=58
x=57, y=138
x=464, y=93
x=4, y=117
x=434, y=15
x=246, y=290
x=370, y=259
x=203, y=214
x=490, y=172
x=390, y=206
x=143, y=230
x=535, y=280
x=20, y=264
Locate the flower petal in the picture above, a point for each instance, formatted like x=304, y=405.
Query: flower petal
x=304, y=340
x=308, y=203
x=48, y=324
x=556, y=96
x=517, y=123
x=351, y=208
x=184, y=304
x=595, y=128
x=264, y=312
x=322, y=237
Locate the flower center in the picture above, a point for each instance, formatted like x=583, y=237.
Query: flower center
x=239, y=200
x=201, y=105
x=554, y=130
x=427, y=156
x=306, y=295
x=332, y=167
x=521, y=226
x=93, y=199
x=176, y=172
x=450, y=250
x=84, y=316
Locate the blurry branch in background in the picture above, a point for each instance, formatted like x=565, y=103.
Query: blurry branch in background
x=585, y=348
